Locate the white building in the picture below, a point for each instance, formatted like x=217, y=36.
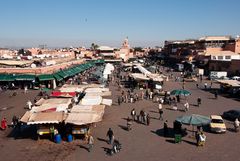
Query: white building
x=106, y=52
x=223, y=55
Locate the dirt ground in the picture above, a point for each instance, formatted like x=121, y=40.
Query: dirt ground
x=140, y=144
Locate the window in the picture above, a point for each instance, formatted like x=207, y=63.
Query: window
x=214, y=57
x=220, y=57
x=227, y=57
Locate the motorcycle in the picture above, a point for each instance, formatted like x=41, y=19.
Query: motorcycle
x=116, y=147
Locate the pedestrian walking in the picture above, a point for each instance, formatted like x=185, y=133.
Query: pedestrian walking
x=161, y=100
x=199, y=101
x=90, y=143
x=4, y=124
x=197, y=137
x=148, y=120
x=201, y=78
x=178, y=98
x=216, y=94
x=165, y=128
x=131, y=99
x=119, y=101
x=142, y=95
x=129, y=124
x=186, y=106
x=205, y=86
x=197, y=85
x=151, y=95
x=145, y=117
x=133, y=114
x=25, y=89
x=142, y=116
x=14, y=121
x=160, y=106
x=29, y=104
x=147, y=94
x=126, y=98
x=110, y=136
x=160, y=114
x=236, y=124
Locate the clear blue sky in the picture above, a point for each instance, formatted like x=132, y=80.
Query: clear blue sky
x=108, y=22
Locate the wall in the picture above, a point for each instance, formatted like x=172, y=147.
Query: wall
x=230, y=47
x=231, y=67
x=212, y=50
x=7, y=52
x=237, y=46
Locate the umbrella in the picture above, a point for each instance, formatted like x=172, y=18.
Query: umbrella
x=180, y=92
x=194, y=119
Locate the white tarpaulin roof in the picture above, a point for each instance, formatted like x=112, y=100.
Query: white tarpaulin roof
x=25, y=117
x=53, y=101
x=109, y=93
x=233, y=83
x=61, y=104
x=83, y=118
x=84, y=109
x=108, y=70
x=81, y=115
x=157, y=78
x=143, y=70
x=96, y=90
x=107, y=102
x=45, y=118
x=139, y=76
x=91, y=100
x=78, y=88
x=71, y=89
x=39, y=102
x=147, y=74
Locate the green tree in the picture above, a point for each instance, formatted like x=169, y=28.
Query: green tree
x=138, y=49
x=94, y=46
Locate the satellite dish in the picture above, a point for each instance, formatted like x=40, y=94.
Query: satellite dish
x=33, y=65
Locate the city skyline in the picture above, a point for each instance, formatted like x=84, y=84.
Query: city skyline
x=146, y=23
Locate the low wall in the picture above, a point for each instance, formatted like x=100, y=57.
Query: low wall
x=41, y=70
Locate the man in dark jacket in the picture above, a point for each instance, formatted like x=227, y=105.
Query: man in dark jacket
x=110, y=136
x=165, y=129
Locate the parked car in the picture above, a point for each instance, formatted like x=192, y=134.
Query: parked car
x=235, y=78
x=231, y=115
x=217, y=124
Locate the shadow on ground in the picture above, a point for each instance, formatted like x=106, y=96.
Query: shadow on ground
x=123, y=127
x=24, y=132
x=168, y=134
x=84, y=147
x=103, y=140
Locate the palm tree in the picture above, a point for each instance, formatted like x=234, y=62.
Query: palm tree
x=94, y=46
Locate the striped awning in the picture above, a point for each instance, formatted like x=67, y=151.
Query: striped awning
x=45, y=77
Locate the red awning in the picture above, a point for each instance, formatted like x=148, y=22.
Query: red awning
x=50, y=110
x=62, y=94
